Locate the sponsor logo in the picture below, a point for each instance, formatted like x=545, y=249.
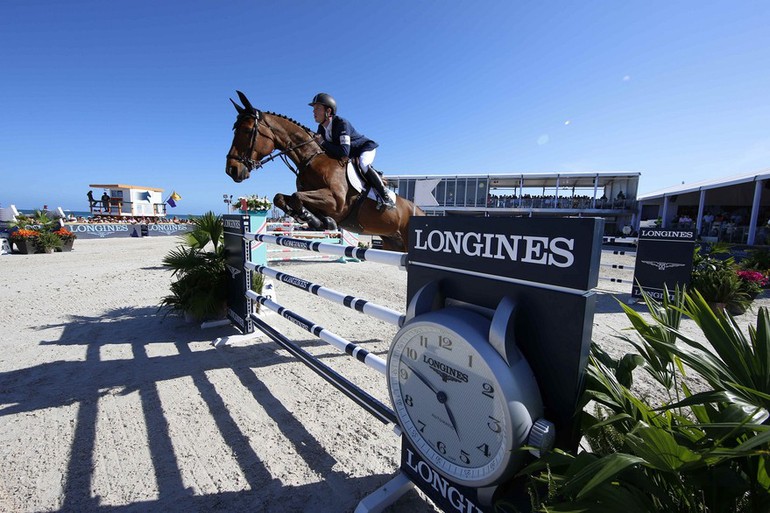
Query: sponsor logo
x=234, y=271
x=447, y=372
x=556, y=251
x=668, y=233
x=655, y=294
x=232, y=223
x=432, y=479
x=100, y=230
x=295, y=244
x=288, y=316
x=662, y=266
x=235, y=317
x=297, y=282
x=166, y=227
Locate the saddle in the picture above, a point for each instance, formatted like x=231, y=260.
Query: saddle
x=358, y=182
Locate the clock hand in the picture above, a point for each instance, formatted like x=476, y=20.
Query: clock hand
x=440, y=396
x=451, y=418
x=421, y=378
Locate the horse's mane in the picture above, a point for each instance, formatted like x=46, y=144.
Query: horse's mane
x=292, y=120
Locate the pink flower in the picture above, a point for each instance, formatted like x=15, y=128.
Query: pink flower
x=753, y=276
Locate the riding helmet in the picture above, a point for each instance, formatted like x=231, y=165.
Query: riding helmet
x=326, y=100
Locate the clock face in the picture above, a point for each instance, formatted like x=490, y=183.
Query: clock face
x=448, y=399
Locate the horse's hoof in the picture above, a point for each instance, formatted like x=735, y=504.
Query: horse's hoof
x=330, y=223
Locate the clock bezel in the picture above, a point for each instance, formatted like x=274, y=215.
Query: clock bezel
x=472, y=329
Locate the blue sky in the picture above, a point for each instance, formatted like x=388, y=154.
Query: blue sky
x=137, y=92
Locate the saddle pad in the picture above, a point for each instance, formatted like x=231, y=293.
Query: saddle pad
x=355, y=181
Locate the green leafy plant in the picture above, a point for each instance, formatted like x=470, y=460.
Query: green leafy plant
x=48, y=241
x=39, y=221
x=715, y=277
x=200, y=289
x=705, y=450
x=758, y=260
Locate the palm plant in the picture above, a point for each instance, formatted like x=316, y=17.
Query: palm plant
x=706, y=451
x=717, y=280
x=47, y=242
x=200, y=289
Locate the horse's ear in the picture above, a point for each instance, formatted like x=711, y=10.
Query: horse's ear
x=237, y=107
x=245, y=101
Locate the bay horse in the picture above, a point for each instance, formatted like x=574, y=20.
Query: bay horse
x=325, y=198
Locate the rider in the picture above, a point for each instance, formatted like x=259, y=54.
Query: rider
x=339, y=139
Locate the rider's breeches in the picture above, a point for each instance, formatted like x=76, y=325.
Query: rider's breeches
x=366, y=159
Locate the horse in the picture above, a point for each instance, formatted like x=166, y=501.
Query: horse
x=325, y=198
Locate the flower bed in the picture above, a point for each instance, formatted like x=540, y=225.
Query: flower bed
x=254, y=203
x=25, y=240
x=752, y=281
x=67, y=238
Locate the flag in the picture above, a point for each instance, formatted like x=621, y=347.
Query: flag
x=173, y=199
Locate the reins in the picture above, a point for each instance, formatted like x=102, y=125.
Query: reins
x=252, y=164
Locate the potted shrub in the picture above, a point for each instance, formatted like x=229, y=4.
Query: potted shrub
x=47, y=242
x=715, y=277
x=200, y=289
x=697, y=451
x=757, y=260
x=24, y=240
x=67, y=238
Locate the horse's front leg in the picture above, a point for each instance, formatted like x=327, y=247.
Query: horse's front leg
x=294, y=208
x=297, y=205
x=279, y=200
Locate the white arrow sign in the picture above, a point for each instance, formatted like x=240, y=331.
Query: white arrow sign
x=423, y=193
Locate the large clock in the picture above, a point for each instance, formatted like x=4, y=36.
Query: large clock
x=465, y=397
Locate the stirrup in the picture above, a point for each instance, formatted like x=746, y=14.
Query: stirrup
x=385, y=204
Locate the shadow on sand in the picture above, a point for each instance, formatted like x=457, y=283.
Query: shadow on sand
x=60, y=383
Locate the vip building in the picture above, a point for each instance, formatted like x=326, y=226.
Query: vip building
x=611, y=195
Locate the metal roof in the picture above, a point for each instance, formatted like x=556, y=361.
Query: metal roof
x=510, y=180
x=714, y=183
x=120, y=186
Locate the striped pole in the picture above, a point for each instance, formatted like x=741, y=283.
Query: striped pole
x=360, y=354
x=362, y=305
x=340, y=382
x=373, y=255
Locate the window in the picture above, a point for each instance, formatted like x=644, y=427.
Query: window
x=450, y=193
x=440, y=192
x=460, y=194
x=481, y=192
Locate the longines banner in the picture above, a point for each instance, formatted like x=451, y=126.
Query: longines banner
x=663, y=259
x=554, y=251
x=237, y=251
x=112, y=230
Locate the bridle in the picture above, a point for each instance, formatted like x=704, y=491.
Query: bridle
x=252, y=164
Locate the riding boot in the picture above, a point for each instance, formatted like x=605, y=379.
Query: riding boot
x=375, y=180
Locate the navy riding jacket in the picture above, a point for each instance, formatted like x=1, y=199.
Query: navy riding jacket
x=346, y=142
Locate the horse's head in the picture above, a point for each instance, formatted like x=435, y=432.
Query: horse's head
x=251, y=141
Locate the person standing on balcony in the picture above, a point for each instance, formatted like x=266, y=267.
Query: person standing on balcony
x=106, y=202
